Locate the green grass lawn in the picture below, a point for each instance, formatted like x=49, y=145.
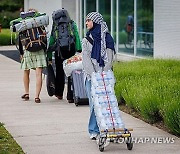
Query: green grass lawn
x=5, y=37
x=7, y=144
x=152, y=88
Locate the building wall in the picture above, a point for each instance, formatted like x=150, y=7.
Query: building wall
x=48, y=6
x=73, y=7
x=166, y=22
x=70, y=5
x=167, y=29
x=44, y=6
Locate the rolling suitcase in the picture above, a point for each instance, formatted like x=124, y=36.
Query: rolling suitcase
x=79, y=92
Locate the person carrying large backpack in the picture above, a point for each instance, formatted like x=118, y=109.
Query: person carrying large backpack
x=32, y=44
x=65, y=41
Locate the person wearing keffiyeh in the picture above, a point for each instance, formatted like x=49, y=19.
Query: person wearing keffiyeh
x=97, y=56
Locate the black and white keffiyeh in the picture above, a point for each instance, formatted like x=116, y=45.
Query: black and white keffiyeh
x=98, y=19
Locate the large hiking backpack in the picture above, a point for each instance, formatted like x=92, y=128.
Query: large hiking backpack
x=63, y=31
x=34, y=39
x=31, y=29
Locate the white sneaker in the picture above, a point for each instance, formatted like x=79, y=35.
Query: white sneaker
x=93, y=136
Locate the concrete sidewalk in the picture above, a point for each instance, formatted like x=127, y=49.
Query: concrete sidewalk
x=58, y=127
x=6, y=48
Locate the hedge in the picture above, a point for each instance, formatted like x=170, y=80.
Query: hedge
x=5, y=37
x=152, y=88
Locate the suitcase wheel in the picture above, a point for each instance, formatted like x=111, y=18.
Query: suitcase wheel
x=76, y=100
x=129, y=143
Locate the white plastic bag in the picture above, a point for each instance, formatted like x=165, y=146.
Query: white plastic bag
x=73, y=63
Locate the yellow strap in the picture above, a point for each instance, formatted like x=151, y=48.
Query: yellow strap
x=117, y=130
x=33, y=33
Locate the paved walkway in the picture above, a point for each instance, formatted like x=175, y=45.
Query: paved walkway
x=57, y=127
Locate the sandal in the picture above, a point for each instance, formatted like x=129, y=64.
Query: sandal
x=25, y=97
x=37, y=100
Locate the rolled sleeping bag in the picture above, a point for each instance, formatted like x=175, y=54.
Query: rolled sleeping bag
x=31, y=23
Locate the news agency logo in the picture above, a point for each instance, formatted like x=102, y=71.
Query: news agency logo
x=152, y=140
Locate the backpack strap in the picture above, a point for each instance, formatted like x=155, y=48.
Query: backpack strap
x=89, y=39
x=72, y=26
x=54, y=31
x=19, y=45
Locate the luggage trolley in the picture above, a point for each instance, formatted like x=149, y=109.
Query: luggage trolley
x=107, y=111
x=115, y=136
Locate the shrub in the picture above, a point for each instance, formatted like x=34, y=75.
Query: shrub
x=172, y=116
x=5, y=37
x=151, y=87
x=122, y=37
x=6, y=17
x=9, y=10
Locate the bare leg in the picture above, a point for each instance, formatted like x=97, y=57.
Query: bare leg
x=38, y=81
x=26, y=81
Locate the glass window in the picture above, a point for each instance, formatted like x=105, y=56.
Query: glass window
x=90, y=6
x=114, y=20
x=105, y=10
x=87, y=7
x=82, y=19
x=126, y=26
x=125, y=32
x=145, y=28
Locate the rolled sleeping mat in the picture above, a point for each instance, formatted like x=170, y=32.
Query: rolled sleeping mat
x=23, y=15
x=26, y=16
x=31, y=23
x=15, y=21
